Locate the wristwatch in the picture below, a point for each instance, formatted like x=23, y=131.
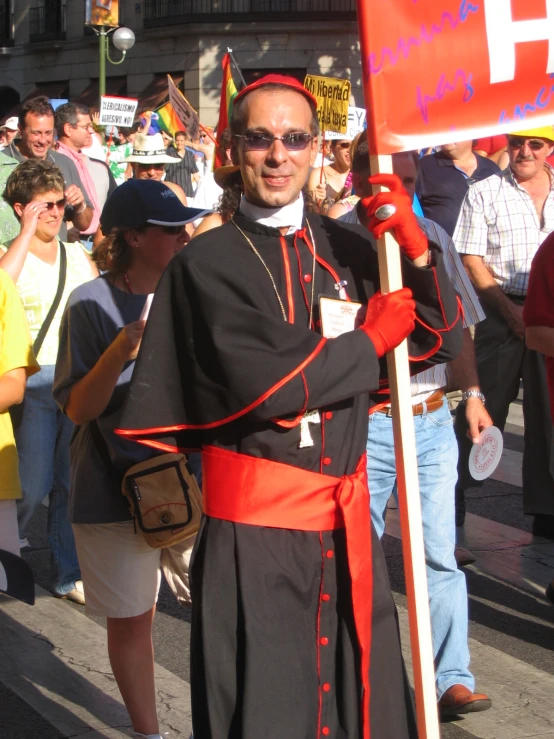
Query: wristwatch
x=473, y=394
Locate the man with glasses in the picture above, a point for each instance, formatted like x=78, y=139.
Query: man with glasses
x=36, y=126
x=75, y=129
x=503, y=221
x=289, y=580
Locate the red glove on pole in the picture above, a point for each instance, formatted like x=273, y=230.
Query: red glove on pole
x=403, y=223
x=389, y=319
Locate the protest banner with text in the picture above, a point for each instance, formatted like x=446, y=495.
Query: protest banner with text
x=102, y=13
x=115, y=111
x=452, y=70
x=184, y=110
x=333, y=98
x=356, y=124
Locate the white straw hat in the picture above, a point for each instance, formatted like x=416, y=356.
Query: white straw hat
x=150, y=150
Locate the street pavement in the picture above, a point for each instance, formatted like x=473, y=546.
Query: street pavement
x=55, y=679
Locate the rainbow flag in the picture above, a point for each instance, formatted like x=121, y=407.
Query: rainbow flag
x=228, y=94
x=168, y=120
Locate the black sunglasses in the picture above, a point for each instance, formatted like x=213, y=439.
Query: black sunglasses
x=343, y=145
x=516, y=142
x=258, y=141
x=171, y=230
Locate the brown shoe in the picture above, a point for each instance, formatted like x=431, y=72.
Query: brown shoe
x=458, y=699
x=464, y=557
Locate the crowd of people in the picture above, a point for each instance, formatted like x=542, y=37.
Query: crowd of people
x=285, y=420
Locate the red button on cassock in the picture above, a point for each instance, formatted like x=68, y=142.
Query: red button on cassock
x=326, y=597
x=307, y=278
x=324, y=641
x=328, y=415
x=326, y=460
x=326, y=687
x=329, y=554
x=326, y=731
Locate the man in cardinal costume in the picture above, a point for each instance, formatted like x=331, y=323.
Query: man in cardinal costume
x=249, y=354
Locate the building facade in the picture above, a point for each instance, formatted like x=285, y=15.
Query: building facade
x=46, y=48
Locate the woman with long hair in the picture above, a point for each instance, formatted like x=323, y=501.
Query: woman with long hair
x=99, y=341
x=45, y=271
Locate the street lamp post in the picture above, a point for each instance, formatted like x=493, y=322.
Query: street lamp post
x=123, y=39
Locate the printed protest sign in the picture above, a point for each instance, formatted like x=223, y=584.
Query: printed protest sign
x=117, y=111
x=333, y=97
x=356, y=124
x=452, y=70
x=102, y=13
x=184, y=110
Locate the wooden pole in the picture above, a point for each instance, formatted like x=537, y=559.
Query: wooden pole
x=405, y=449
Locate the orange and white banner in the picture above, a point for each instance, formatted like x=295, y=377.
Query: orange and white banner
x=451, y=70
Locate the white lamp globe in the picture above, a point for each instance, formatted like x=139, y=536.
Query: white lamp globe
x=124, y=39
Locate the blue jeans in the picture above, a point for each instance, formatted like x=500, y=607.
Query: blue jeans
x=437, y=456
x=42, y=442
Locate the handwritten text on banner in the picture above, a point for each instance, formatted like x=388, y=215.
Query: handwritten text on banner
x=452, y=70
x=333, y=97
x=185, y=112
x=117, y=111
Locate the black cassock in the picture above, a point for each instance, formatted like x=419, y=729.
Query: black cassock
x=274, y=650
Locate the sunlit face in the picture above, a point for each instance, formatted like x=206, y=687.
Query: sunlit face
x=37, y=135
x=526, y=162
x=149, y=171
x=180, y=142
x=156, y=248
x=80, y=134
x=341, y=153
x=274, y=178
x=50, y=221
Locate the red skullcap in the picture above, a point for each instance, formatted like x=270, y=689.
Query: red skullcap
x=278, y=79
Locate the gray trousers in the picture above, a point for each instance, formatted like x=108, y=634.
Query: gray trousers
x=503, y=361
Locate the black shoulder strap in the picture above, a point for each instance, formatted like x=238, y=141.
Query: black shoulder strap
x=57, y=300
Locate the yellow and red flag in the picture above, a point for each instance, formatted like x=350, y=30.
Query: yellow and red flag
x=228, y=94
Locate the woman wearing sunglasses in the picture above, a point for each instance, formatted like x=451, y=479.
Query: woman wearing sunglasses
x=99, y=340
x=335, y=183
x=45, y=271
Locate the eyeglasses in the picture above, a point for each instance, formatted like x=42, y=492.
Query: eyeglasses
x=87, y=127
x=258, y=141
x=517, y=142
x=60, y=204
x=344, y=145
x=171, y=230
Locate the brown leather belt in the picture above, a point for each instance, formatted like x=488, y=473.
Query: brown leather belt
x=433, y=403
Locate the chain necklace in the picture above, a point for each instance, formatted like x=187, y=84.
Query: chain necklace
x=257, y=253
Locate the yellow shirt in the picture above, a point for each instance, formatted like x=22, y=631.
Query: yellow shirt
x=37, y=286
x=15, y=351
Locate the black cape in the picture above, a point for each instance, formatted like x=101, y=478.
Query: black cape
x=219, y=365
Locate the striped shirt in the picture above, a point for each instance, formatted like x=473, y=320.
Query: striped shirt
x=427, y=382
x=499, y=222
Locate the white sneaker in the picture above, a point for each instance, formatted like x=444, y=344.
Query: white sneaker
x=24, y=543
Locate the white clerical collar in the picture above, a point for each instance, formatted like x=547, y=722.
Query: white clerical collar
x=289, y=216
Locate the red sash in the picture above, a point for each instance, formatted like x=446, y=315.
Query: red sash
x=281, y=496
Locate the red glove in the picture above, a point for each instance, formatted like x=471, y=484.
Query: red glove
x=389, y=319
x=403, y=224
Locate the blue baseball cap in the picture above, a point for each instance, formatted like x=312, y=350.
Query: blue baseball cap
x=136, y=202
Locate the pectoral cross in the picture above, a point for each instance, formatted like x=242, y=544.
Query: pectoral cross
x=305, y=436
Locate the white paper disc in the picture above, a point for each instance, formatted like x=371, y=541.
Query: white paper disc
x=485, y=455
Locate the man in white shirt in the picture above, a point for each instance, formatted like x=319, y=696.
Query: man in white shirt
x=503, y=221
